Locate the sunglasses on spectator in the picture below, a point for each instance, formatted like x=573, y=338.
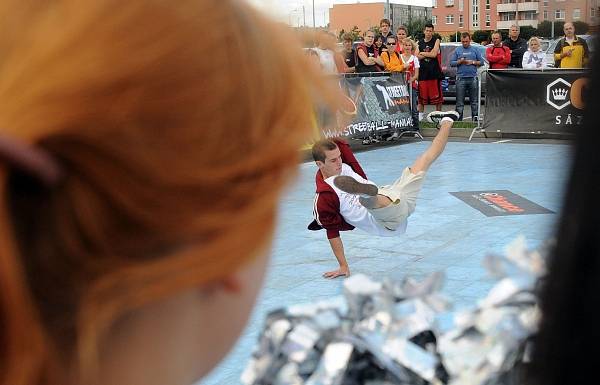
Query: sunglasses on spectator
x=391, y=43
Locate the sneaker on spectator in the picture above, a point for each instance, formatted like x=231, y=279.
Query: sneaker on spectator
x=437, y=116
x=394, y=136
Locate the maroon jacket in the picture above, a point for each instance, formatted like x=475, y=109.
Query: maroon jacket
x=326, y=210
x=499, y=57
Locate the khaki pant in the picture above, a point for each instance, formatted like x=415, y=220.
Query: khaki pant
x=403, y=194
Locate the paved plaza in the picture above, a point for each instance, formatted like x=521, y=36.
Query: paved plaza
x=444, y=233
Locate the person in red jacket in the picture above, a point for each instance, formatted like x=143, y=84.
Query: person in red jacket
x=346, y=199
x=498, y=55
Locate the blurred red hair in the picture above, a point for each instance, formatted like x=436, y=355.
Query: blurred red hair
x=174, y=153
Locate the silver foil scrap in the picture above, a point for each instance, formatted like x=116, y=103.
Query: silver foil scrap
x=405, y=332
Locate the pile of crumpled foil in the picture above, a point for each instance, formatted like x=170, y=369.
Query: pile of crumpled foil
x=384, y=333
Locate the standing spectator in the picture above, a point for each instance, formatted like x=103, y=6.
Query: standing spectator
x=430, y=75
x=411, y=68
x=534, y=58
x=379, y=46
x=326, y=53
x=517, y=46
x=467, y=59
x=384, y=29
x=498, y=55
x=391, y=59
x=571, y=51
x=368, y=57
x=346, y=60
x=401, y=34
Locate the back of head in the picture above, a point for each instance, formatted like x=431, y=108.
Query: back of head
x=571, y=290
x=169, y=150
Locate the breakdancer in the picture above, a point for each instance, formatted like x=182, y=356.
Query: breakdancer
x=346, y=199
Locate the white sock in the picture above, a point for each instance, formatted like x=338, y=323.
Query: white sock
x=421, y=116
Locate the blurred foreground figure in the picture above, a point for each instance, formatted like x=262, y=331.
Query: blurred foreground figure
x=140, y=168
x=569, y=332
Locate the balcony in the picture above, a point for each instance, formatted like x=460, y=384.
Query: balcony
x=529, y=6
x=505, y=24
x=512, y=7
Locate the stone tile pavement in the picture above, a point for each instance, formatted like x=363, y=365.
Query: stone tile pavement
x=443, y=233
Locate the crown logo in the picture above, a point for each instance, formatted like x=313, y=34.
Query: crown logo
x=560, y=94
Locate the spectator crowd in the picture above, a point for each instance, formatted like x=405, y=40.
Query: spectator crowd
x=420, y=60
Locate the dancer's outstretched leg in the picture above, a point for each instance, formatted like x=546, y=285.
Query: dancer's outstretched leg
x=368, y=192
x=444, y=121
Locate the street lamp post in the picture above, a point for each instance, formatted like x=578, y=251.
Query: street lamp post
x=314, y=24
x=303, y=16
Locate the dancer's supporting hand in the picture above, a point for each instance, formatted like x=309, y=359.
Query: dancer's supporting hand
x=342, y=271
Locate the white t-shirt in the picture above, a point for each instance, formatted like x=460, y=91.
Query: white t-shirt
x=356, y=214
x=327, y=60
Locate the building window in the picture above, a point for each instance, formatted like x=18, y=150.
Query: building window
x=488, y=20
x=592, y=12
x=449, y=19
x=475, y=14
x=528, y=15
x=461, y=5
x=545, y=14
x=545, y=3
x=434, y=3
x=487, y=5
x=576, y=13
x=460, y=21
x=559, y=14
x=449, y=3
x=434, y=19
x=508, y=16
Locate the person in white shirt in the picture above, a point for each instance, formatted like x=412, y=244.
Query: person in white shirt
x=534, y=58
x=326, y=53
x=346, y=199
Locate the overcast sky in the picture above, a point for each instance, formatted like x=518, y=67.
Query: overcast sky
x=290, y=11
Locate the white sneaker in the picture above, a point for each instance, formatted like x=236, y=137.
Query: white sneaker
x=437, y=117
x=394, y=136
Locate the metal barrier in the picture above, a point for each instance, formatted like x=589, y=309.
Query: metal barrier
x=479, y=126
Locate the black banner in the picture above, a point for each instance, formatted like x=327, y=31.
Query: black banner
x=530, y=101
x=373, y=105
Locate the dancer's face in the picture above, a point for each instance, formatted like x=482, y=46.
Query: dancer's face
x=333, y=163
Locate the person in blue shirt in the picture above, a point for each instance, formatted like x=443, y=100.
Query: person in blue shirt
x=467, y=58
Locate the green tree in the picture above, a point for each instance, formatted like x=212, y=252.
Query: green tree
x=454, y=37
x=479, y=36
x=581, y=28
x=527, y=32
x=416, y=27
x=544, y=28
x=354, y=32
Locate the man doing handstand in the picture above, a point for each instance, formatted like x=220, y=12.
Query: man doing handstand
x=346, y=199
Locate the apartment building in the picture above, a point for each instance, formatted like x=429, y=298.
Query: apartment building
x=587, y=11
x=367, y=15
x=451, y=16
